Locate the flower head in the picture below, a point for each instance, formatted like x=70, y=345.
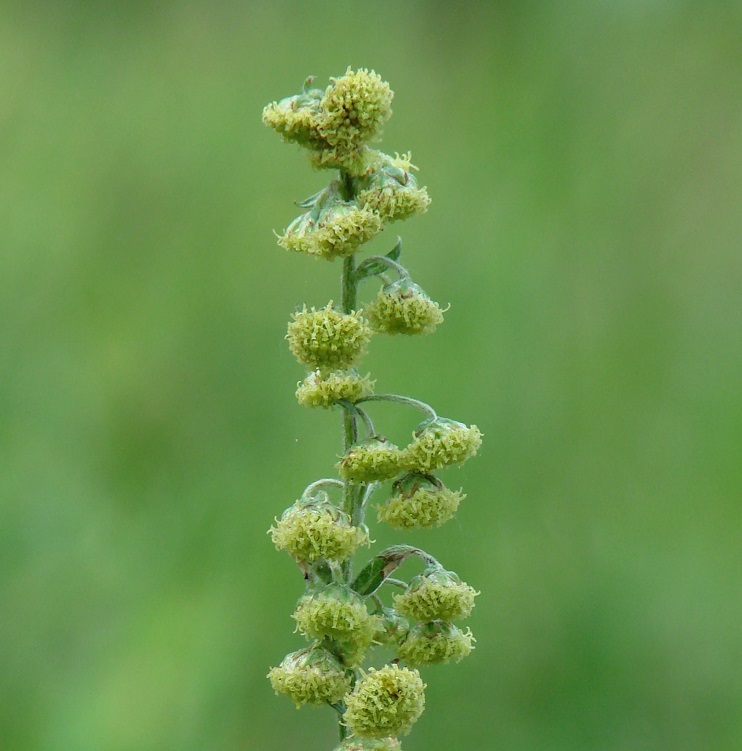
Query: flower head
x=310, y=676
x=326, y=339
x=370, y=461
x=402, y=307
x=296, y=117
x=440, y=442
x=392, y=190
x=313, y=528
x=436, y=594
x=434, y=643
x=340, y=614
x=335, y=233
x=354, y=108
x=385, y=702
x=318, y=390
x=420, y=501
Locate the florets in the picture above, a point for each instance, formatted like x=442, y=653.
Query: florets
x=440, y=442
x=392, y=190
x=317, y=390
x=314, y=529
x=310, y=676
x=354, y=108
x=337, y=233
x=434, y=643
x=436, y=594
x=340, y=614
x=420, y=501
x=402, y=307
x=385, y=702
x=370, y=461
x=327, y=340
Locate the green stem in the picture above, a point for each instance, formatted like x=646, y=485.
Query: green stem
x=416, y=403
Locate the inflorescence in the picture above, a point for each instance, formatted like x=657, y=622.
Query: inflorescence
x=341, y=614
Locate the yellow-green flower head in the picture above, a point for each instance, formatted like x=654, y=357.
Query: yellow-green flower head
x=392, y=190
x=434, y=643
x=310, y=676
x=420, y=501
x=440, y=442
x=361, y=744
x=326, y=339
x=385, y=702
x=318, y=390
x=340, y=614
x=436, y=594
x=338, y=231
x=402, y=307
x=371, y=460
x=354, y=108
x=313, y=529
x=296, y=118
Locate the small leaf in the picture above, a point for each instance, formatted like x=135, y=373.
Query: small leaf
x=383, y=565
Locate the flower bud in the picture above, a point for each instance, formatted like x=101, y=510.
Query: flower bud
x=313, y=529
x=340, y=614
x=419, y=501
x=436, y=594
x=385, y=702
x=434, y=643
x=392, y=190
x=310, y=676
x=317, y=390
x=361, y=744
x=370, y=461
x=402, y=307
x=338, y=232
x=439, y=442
x=326, y=339
x=354, y=108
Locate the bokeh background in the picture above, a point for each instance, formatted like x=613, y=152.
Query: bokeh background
x=585, y=164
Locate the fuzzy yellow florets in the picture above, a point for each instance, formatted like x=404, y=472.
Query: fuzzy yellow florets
x=402, y=307
x=340, y=614
x=420, y=501
x=326, y=339
x=436, y=594
x=310, y=531
x=435, y=643
x=441, y=442
x=310, y=676
x=392, y=190
x=385, y=702
x=370, y=461
x=339, y=231
x=317, y=390
x=354, y=108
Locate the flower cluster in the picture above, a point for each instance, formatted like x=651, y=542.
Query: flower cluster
x=336, y=126
x=344, y=614
x=435, y=598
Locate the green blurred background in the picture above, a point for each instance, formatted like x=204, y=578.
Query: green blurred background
x=585, y=164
